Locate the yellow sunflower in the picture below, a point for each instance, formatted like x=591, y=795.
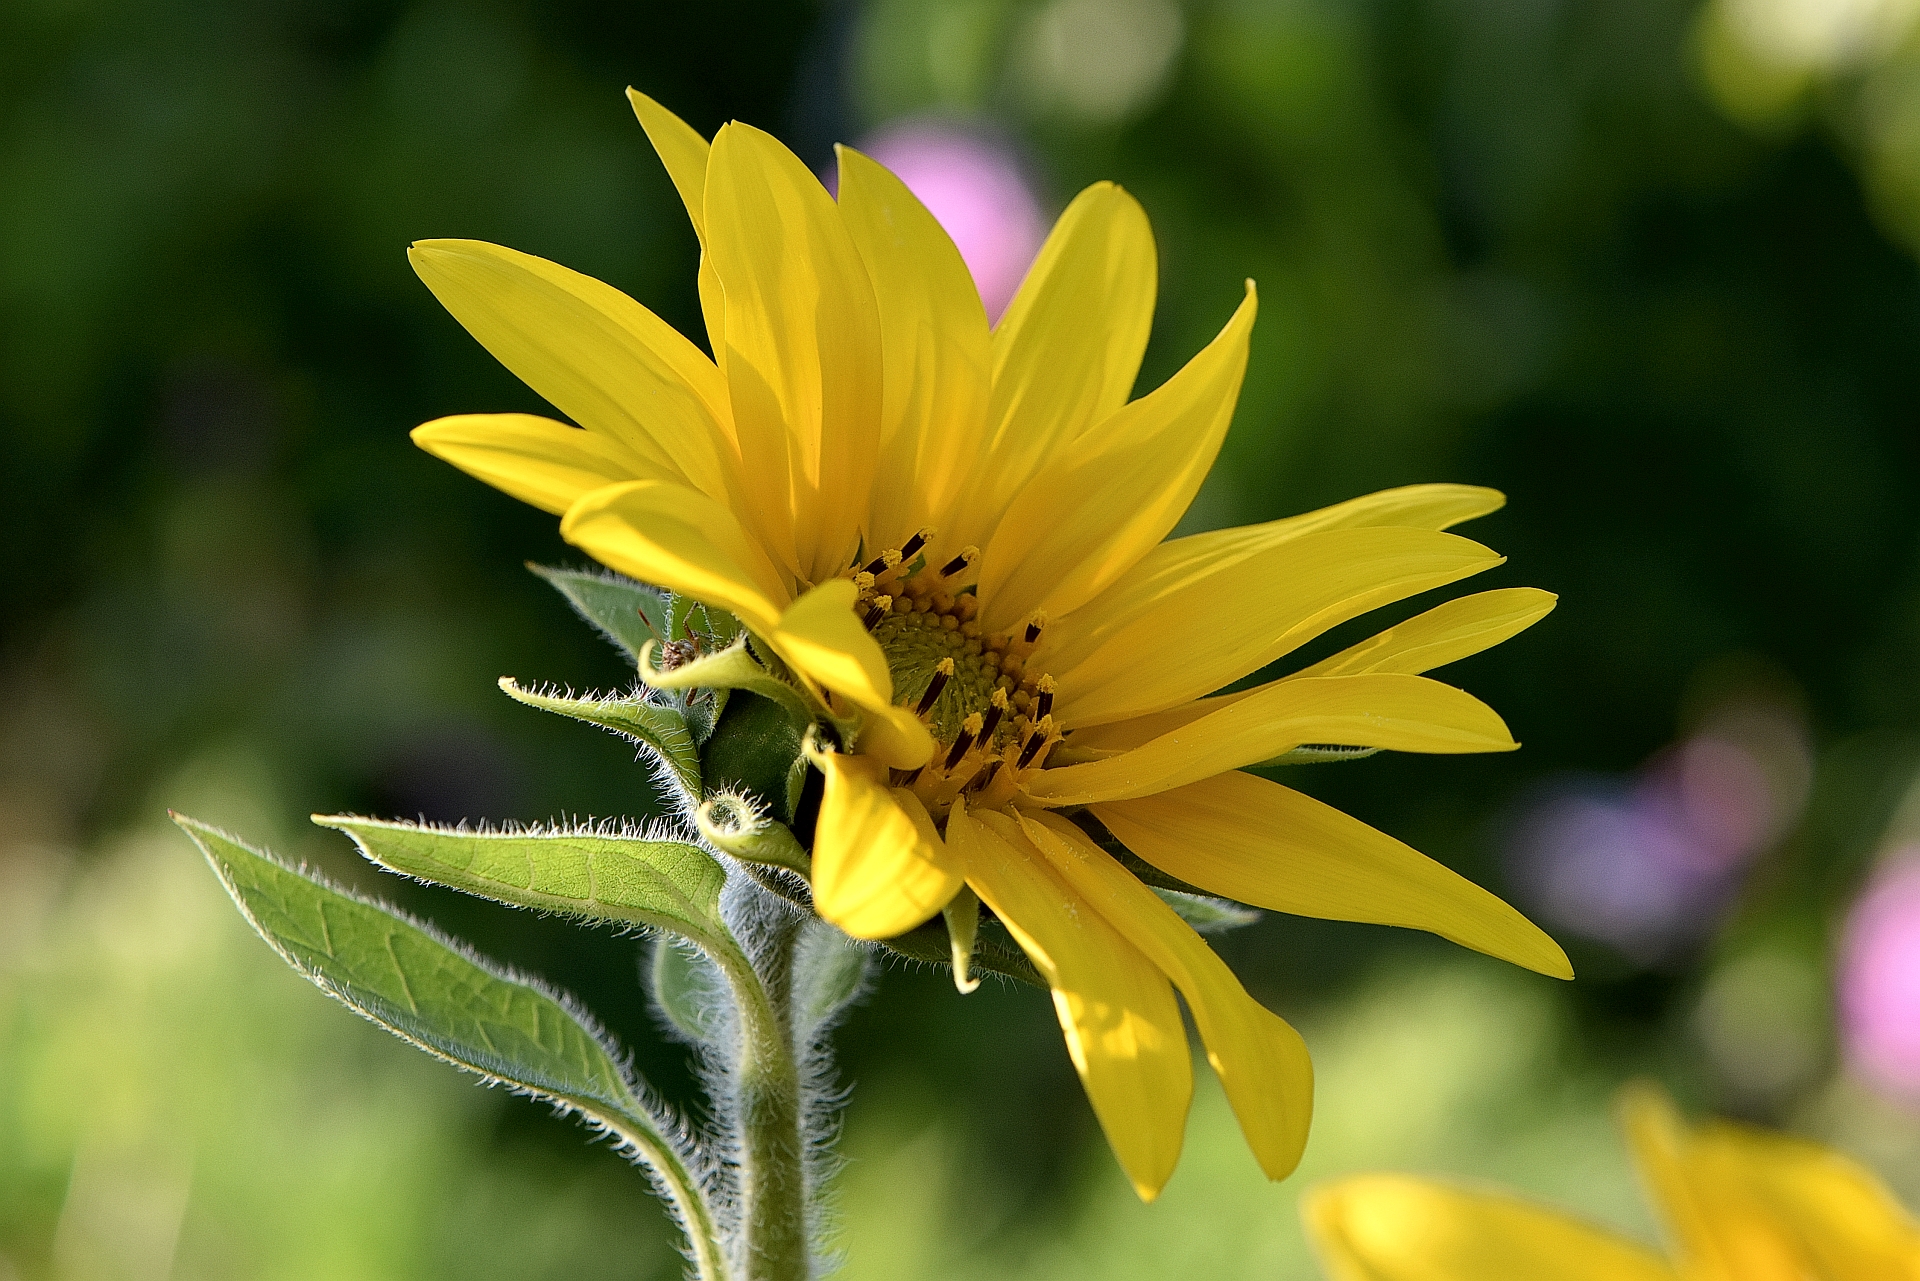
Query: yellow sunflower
x=948, y=537
x=1740, y=1205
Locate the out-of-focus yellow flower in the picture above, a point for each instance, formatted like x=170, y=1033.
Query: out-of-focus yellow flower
x=949, y=538
x=1739, y=1204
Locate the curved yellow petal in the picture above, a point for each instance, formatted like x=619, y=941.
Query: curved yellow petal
x=1250, y=839
x=1209, y=614
x=1746, y=1204
x=879, y=868
x=1399, y=713
x=1262, y=1062
x=597, y=355
x=681, y=540
x=1116, y=1010
x=936, y=348
x=1392, y=1227
x=1067, y=350
x=1442, y=635
x=1431, y=506
x=684, y=154
x=536, y=460
x=681, y=150
x=1091, y=514
x=823, y=639
x=803, y=344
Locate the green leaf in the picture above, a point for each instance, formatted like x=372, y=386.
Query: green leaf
x=661, y=728
x=449, y=1002
x=1207, y=914
x=829, y=972
x=756, y=749
x=731, y=668
x=623, y=611
x=664, y=885
x=690, y=994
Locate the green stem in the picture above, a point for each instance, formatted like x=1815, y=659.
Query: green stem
x=703, y=1238
x=773, y=1191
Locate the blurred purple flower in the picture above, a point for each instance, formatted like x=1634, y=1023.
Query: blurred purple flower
x=1647, y=863
x=975, y=186
x=1880, y=977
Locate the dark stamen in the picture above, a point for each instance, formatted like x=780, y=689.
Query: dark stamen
x=941, y=675
x=1035, y=741
x=961, y=746
x=914, y=544
x=985, y=776
x=913, y=778
x=877, y=611
x=1045, y=702
x=955, y=565
x=1033, y=629
x=993, y=719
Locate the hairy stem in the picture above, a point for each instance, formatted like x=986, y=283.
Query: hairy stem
x=682, y=1192
x=773, y=1188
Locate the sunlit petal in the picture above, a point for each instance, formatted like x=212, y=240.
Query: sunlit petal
x=1250, y=839
x=803, y=345
x=823, y=639
x=1054, y=550
x=1261, y=1061
x=684, y=541
x=597, y=355
x=536, y=460
x=879, y=868
x=1399, y=713
x=1067, y=351
x=936, y=347
x=1115, y=1008
x=1198, y=613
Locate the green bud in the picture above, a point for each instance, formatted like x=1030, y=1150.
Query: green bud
x=740, y=826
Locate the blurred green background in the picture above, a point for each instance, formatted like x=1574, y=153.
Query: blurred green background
x=1646, y=266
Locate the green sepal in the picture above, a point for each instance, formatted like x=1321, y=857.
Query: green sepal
x=1206, y=913
x=444, y=999
x=733, y=667
x=1317, y=754
x=663, y=885
x=994, y=950
x=737, y=825
x=687, y=990
x=661, y=728
x=625, y=612
x=755, y=749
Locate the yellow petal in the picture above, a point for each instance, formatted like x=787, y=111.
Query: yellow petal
x=1391, y=1227
x=681, y=149
x=822, y=638
x=1444, y=634
x=680, y=540
x=1117, y=1011
x=935, y=345
x=684, y=153
x=1067, y=351
x=1399, y=713
x=537, y=460
x=1407, y=507
x=879, y=868
x=1744, y=1205
x=1261, y=1061
x=597, y=355
x=803, y=343
x=1058, y=546
x=1250, y=839
x=1193, y=615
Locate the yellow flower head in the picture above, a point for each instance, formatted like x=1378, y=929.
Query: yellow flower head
x=948, y=538
x=1739, y=1205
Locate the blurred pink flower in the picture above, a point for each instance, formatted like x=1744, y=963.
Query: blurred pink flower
x=974, y=185
x=1880, y=976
